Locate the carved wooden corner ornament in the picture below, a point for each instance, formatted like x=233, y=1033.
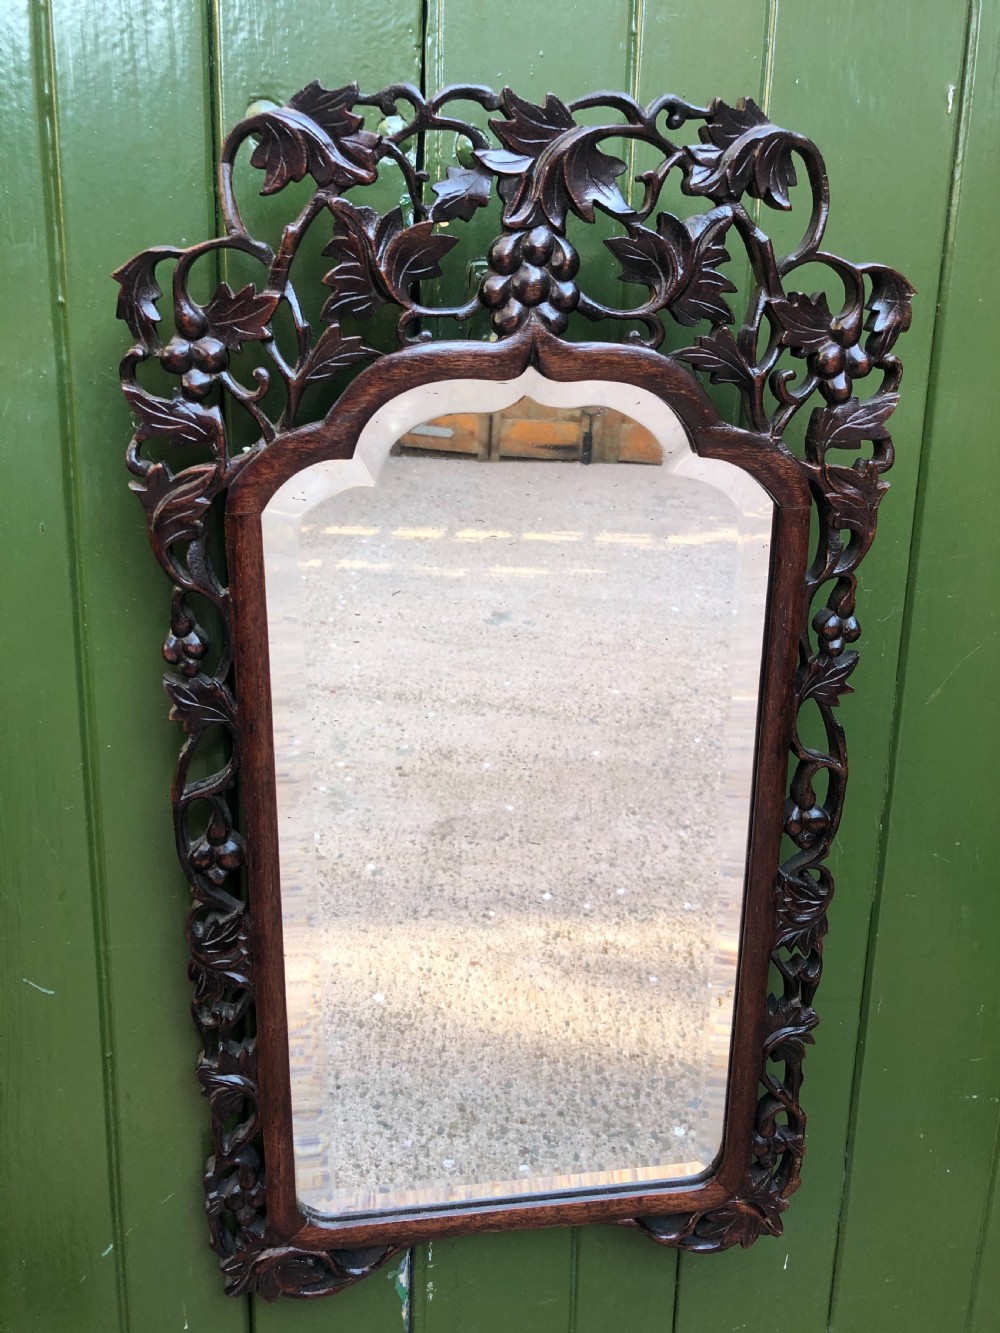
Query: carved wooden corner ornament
x=549, y=167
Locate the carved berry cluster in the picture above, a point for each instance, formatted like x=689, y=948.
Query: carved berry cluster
x=532, y=270
x=198, y=363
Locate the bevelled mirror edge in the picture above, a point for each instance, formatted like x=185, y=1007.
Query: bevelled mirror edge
x=533, y=285
x=292, y=546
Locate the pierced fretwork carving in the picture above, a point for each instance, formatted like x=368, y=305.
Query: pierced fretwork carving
x=551, y=165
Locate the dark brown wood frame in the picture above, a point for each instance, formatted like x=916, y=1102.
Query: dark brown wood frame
x=549, y=168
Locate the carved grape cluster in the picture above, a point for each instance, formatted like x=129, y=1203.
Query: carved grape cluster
x=532, y=271
x=805, y=826
x=218, y=852
x=185, y=646
x=830, y=344
x=835, y=630
x=198, y=363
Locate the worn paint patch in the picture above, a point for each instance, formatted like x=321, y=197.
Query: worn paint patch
x=400, y=1279
x=35, y=986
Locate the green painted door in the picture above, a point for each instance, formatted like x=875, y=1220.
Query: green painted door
x=113, y=112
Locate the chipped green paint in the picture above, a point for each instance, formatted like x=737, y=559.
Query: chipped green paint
x=113, y=108
x=400, y=1277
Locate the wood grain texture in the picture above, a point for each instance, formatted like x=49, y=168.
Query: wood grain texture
x=928, y=1098
x=55, y=1276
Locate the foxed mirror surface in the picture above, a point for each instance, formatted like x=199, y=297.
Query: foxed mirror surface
x=515, y=649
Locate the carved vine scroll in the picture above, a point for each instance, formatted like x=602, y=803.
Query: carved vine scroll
x=550, y=164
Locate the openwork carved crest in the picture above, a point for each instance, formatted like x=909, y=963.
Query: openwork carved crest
x=552, y=166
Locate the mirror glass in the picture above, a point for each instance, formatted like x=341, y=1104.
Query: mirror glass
x=515, y=652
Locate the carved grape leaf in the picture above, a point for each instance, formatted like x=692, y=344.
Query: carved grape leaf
x=413, y=255
x=718, y=354
x=805, y=321
x=728, y=124
x=578, y=175
x=228, y=1079
x=802, y=905
x=741, y=1222
x=382, y=229
x=589, y=178
x=743, y=153
x=176, y=505
x=238, y=317
x=292, y=144
x=282, y=154
x=216, y=977
x=890, y=306
x=271, y=1271
x=852, y=495
x=529, y=129
x=351, y=279
x=771, y=169
x=173, y=419
x=220, y=944
x=789, y=1027
x=701, y=296
x=199, y=702
x=825, y=678
x=330, y=108
x=654, y=259
x=847, y=425
x=140, y=292
x=334, y=352
x=463, y=190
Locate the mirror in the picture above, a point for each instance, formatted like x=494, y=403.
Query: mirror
x=491, y=719
x=515, y=652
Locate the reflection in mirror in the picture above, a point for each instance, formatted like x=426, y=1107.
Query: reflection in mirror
x=514, y=718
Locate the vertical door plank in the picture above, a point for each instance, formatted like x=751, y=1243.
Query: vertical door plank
x=927, y=1103
x=560, y=48
x=672, y=55
x=837, y=75
x=56, y=1274
x=268, y=52
x=492, y=1284
x=623, y=1282
x=131, y=87
x=520, y=1280
x=623, y=1278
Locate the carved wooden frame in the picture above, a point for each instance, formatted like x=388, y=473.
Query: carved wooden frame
x=550, y=167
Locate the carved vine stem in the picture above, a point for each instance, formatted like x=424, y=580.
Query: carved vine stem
x=546, y=168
